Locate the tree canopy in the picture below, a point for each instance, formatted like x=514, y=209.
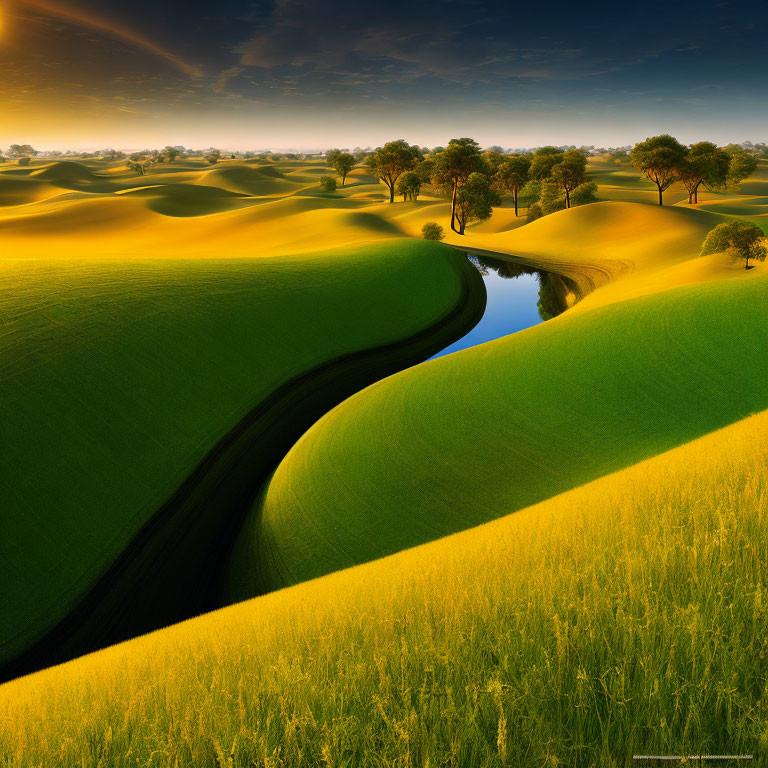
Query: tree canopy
x=704, y=163
x=343, y=163
x=475, y=200
x=453, y=167
x=544, y=159
x=569, y=172
x=390, y=161
x=739, y=239
x=660, y=159
x=513, y=174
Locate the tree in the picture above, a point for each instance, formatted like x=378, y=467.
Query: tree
x=705, y=164
x=343, y=163
x=25, y=160
x=512, y=175
x=739, y=239
x=212, y=155
x=453, y=167
x=552, y=197
x=534, y=212
x=741, y=164
x=494, y=157
x=584, y=194
x=660, y=158
x=544, y=159
x=387, y=163
x=569, y=172
x=475, y=200
x=432, y=231
x=327, y=183
x=171, y=153
x=21, y=150
x=409, y=186
x=330, y=157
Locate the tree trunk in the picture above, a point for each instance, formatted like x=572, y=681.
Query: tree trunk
x=696, y=194
x=567, y=198
x=746, y=266
x=453, y=209
x=661, y=192
x=343, y=179
x=391, y=192
x=514, y=196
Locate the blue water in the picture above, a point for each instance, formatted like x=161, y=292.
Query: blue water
x=512, y=306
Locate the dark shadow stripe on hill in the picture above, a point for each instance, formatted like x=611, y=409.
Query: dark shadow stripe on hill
x=172, y=568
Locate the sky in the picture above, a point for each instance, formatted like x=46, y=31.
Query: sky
x=310, y=74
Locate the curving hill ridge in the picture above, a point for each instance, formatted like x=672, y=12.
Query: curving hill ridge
x=477, y=434
x=141, y=401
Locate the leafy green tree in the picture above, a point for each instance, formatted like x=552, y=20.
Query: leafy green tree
x=739, y=239
x=327, y=183
x=453, y=167
x=25, y=160
x=330, y=157
x=387, y=163
x=544, y=159
x=475, y=200
x=513, y=174
x=171, y=153
x=425, y=168
x=584, y=194
x=212, y=155
x=660, y=158
x=552, y=197
x=705, y=164
x=343, y=163
x=742, y=164
x=535, y=211
x=409, y=186
x=494, y=157
x=569, y=172
x=432, y=231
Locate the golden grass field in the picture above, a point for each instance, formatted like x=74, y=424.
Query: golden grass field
x=625, y=616
x=622, y=614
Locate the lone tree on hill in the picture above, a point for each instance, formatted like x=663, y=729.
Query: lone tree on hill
x=432, y=231
x=739, y=239
x=513, y=174
x=327, y=183
x=660, y=158
x=569, y=172
x=390, y=161
x=343, y=163
x=409, y=186
x=453, y=167
x=475, y=200
x=705, y=164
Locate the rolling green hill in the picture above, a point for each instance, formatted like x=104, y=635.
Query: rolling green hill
x=142, y=399
x=474, y=435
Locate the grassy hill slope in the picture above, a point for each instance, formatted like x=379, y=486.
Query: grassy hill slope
x=474, y=435
x=119, y=380
x=623, y=617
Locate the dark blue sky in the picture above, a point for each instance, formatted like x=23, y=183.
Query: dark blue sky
x=313, y=73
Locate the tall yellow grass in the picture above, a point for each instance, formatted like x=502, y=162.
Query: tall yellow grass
x=626, y=616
